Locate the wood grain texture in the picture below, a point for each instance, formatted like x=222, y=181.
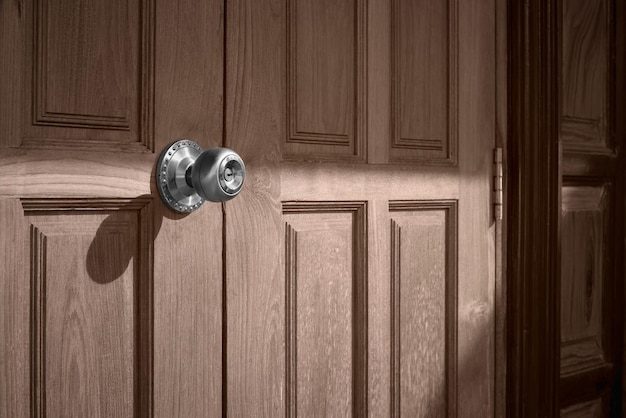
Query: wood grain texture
x=257, y=102
x=586, y=50
x=533, y=209
x=425, y=84
x=92, y=67
x=584, y=245
x=180, y=374
x=593, y=215
x=26, y=174
x=188, y=284
x=590, y=409
x=15, y=319
x=326, y=308
x=476, y=277
x=501, y=226
x=326, y=79
x=255, y=126
x=379, y=35
x=188, y=314
x=91, y=327
x=424, y=282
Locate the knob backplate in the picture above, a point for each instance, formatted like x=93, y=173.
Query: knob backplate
x=171, y=168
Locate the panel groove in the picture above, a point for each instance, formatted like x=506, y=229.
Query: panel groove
x=449, y=207
x=38, y=320
x=31, y=205
x=358, y=210
x=291, y=321
x=395, y=319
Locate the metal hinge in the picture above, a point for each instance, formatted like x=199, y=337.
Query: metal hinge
x=497, y=184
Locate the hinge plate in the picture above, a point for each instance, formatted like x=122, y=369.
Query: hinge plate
x=498, y=197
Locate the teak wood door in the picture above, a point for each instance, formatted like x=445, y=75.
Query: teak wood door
x=354, y=275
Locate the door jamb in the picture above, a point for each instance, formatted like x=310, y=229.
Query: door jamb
x=532, y=210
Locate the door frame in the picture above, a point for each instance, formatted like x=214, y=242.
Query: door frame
x=532, y=211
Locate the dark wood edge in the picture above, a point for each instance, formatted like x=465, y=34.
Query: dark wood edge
x=619, y=122
x=532, y=213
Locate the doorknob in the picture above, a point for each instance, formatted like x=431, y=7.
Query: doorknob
x=187, y=175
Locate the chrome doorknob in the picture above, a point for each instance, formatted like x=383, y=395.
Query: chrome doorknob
x=187, y=175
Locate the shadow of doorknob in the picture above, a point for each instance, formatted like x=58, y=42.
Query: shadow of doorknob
x=187, y=175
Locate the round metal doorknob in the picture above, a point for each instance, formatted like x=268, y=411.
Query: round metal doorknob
x=187, y=175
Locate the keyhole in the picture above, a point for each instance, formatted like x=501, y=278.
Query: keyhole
x=228, y=174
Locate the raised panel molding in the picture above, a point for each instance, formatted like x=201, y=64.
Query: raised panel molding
x=586, y=50
x=584, y=222
x=106, y=82
x=61, y=287
x=591, y=409
x=327, y=303
x=424, y=243
x=38, y=320
x=326, y=80
x=424, y=81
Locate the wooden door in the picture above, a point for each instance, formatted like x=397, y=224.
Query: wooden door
x=359, y=257
x=354, y=275
x=592, y=208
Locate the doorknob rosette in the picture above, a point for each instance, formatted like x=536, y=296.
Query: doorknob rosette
x=187, y=175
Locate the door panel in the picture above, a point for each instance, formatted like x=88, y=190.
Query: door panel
x=411, y=320
x=424, y=48
x=423, y=312
x=90, y=307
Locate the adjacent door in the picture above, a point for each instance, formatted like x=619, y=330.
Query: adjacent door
x=354, y=275
x=592, y=208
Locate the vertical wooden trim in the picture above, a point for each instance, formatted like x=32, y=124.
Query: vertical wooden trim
x=147, y=88
x=38, y=244
x=395, y=319
x=500, y=225
x=533, y=210
x=617, y=116
x=144, y=298
x=378, y=115
x=291, y=356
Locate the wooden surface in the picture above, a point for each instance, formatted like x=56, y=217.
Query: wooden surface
x=585, y=46
x=591, y=409
x=532, y=213
x=423, y=301
x=326, y=312
x=297, y=297
x=84, y=333
x=110, y=303
x=592, y=215
x=425, y=85
x=289, y=239
x=583, y=273
x=325, y=55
